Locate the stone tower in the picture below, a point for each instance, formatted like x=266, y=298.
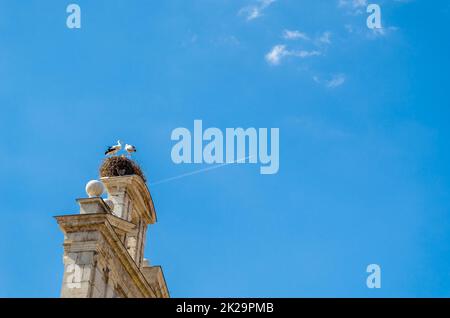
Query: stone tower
x=104, y=243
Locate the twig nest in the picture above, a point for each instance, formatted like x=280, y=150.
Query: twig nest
x=119, y=166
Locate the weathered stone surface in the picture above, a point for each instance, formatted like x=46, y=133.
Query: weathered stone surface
x=155, y=278
x=103, y=249
x=92, y=205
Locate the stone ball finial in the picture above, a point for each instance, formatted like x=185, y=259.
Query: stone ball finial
x=94, y=188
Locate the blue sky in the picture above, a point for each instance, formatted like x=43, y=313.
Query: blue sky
x=364, y=175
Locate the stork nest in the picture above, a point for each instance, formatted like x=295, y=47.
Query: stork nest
x=118, y=166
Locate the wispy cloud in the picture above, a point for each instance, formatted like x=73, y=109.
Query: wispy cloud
x=256, y=10
x=294, y=35
x=355, y=7
x=325, y=38
x=381, y=32
x=370, y=33
x=278, y=52
x=316, y=46
x=334, y=82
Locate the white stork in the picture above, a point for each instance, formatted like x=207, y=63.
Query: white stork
x=130, y=149
x=114, y=149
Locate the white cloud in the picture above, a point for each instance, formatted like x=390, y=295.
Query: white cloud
x=256, y=10
x=353, y=6
x=294, y=35
x=381, y=32
x=304, y=53
x=352, y=3
x=325, y=38
x=370, y=33
x=278, y=52
x=335, y=81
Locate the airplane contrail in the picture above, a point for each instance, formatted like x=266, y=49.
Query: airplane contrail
x=197, y=171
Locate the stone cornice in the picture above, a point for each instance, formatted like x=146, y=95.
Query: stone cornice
x=104, y=223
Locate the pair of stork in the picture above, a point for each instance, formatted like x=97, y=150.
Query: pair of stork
x=116, y=148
